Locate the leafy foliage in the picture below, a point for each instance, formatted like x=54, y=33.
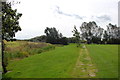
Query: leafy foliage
x=54, y=37
x=77, y=36
x=91, y=32
x=95, y=34
x=41, y=38
x=112, y=34
x=71, y=39
x=10, y=23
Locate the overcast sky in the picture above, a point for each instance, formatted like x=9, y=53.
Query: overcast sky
x=63, y=14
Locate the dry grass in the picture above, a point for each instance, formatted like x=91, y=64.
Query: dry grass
x=22, y=49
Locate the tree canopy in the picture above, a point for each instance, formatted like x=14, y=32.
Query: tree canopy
x=10, y=21
x=54, y=37
x=91, y=32
x=76, y=34
x=95, y=34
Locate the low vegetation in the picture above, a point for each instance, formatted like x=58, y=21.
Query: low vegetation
x=57, y=63
x=22, y=49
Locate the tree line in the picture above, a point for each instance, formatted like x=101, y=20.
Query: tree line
x=89, y=33
x=52, y=36
x=93, y=33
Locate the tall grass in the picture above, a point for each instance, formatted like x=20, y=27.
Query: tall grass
x=22, y=49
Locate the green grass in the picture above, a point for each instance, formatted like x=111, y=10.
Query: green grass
x=106, y=59
x=61, y=61
x=57, y=63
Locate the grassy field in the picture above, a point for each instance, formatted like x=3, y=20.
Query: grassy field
x=56, y=63
x=96, y=61
x=106, y=59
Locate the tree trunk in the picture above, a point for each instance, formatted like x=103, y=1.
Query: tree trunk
x=3, y=59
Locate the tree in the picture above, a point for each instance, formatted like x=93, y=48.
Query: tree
x=91, y=32
x=71, y=40
x=63, y=40
x=113, y=34
x=86, y=29
x=41, y=38
x=54, y=37
x=10, y=25
x=105, y=37
x=76, y=34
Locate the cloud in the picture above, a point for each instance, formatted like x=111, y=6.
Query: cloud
x=77, y=16
x=101, y=18
x=104, y=17
x=67, y=14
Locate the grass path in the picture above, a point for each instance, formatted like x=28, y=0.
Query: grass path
x=84, y=67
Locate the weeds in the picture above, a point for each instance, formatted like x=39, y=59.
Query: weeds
x=22, y=49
